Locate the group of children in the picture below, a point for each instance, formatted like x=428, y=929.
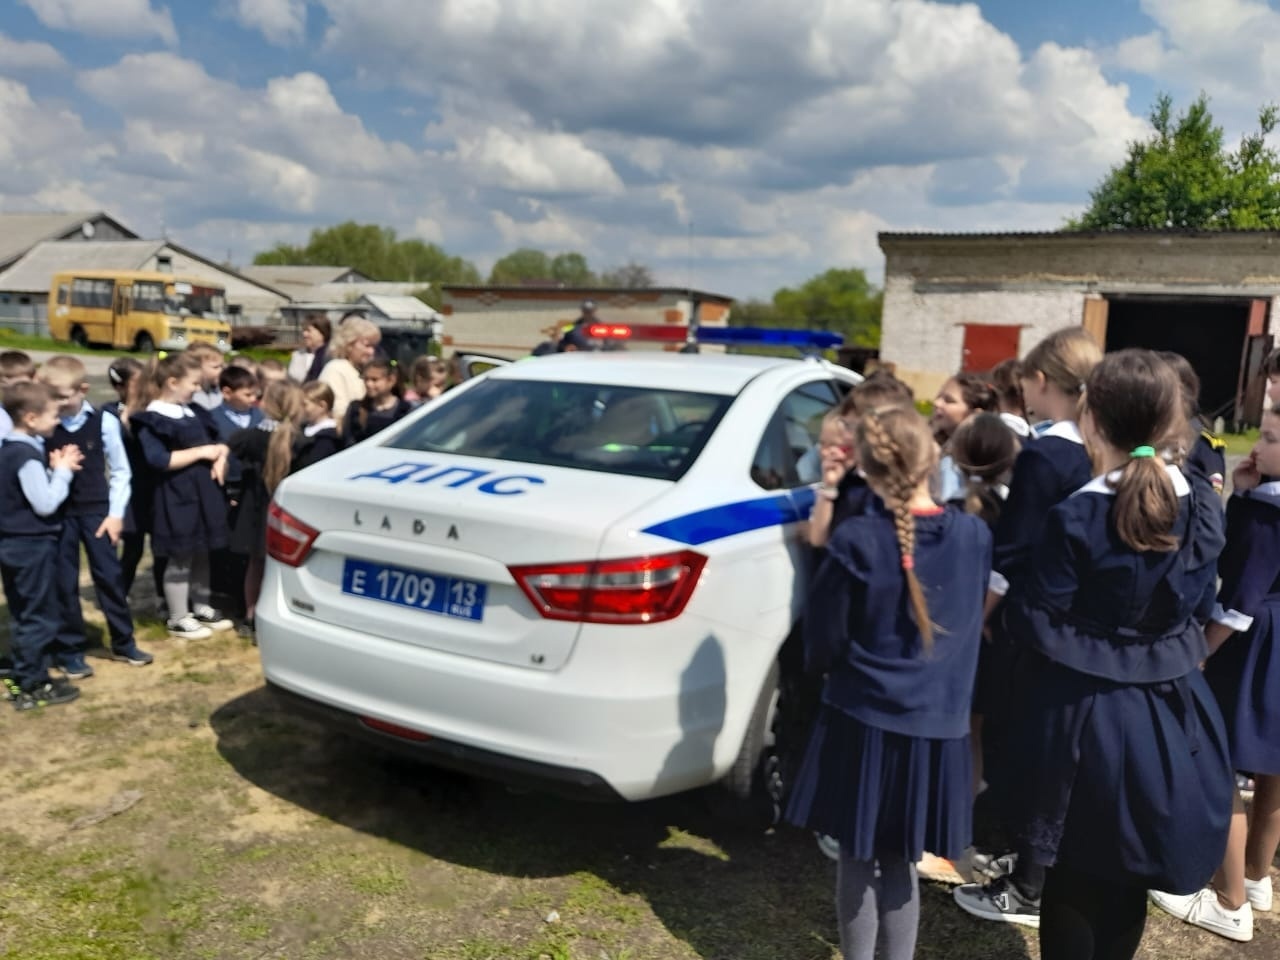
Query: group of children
x=1033, y=615
x=189, y=457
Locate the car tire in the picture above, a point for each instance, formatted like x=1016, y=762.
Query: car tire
x=753, y=793
x=144, y=343
x=79, y=337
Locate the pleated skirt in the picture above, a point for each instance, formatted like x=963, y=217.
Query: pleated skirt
x=882, y=793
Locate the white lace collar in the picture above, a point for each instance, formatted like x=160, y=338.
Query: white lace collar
x=174, y=411
x=312, y=429
x=1064, y=430
x=1105, y=484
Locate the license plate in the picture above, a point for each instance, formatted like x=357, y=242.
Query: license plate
x=416, y=589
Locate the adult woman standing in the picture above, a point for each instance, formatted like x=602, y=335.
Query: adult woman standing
x=352, y=346
x=306, y=364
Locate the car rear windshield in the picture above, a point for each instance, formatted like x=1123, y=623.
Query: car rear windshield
x=640, y=432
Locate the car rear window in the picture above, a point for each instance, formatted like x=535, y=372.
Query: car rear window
x=640, y=432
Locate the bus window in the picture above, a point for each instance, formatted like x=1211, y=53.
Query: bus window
x=64, y=293
x=91, y=293
x=148, y=297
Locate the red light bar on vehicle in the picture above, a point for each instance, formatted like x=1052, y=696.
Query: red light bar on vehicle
x=638, y=331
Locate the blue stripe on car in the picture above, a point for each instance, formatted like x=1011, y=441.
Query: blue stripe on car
x=716, y=523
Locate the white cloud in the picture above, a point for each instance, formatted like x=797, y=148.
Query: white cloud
x=28, y=55
x=112, y=18
x=550, y=232
x=537, y=163
x=282, y=22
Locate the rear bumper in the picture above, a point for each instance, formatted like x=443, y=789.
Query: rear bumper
x=565, y=781
x=637, y=712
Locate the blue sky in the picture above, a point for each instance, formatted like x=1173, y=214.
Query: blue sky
x=773, y=145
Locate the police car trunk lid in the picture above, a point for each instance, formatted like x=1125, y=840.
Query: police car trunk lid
x=384, y=515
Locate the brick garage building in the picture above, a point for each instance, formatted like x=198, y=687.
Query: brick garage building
x=966, y=301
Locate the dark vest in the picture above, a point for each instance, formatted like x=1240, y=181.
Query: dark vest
x=90, y=493
x=17, y=519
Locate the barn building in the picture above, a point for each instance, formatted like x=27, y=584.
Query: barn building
x=967, y=301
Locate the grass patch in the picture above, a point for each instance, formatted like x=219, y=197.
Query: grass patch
x=1239, y=444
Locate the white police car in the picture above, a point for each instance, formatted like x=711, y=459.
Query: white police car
x=579, y=571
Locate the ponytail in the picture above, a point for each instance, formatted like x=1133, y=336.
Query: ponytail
x=1146, y=503
x=282, y=402
x=897, y=472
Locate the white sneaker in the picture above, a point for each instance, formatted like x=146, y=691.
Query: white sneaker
x=939, y=870
x=1259, y=893
x=829, y=846
x=1204, y=910
x=187, y=627
x=211, y=618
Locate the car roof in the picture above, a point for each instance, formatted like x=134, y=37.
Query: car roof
x=702, y=372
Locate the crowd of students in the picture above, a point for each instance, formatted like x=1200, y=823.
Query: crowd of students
x=1055, y=626
x=187, y=458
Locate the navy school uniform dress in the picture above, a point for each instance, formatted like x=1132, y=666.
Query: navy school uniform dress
x=319, y=440
x=249, y=524
x=1245, y=672
x=361, y=423
x=887, y=770
x=1118, y=759
x=189, y=512
x=1048, y=469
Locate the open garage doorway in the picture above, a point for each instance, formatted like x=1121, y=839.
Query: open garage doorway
x=1213, y=333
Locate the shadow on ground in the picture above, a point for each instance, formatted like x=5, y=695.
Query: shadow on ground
x=725, y=892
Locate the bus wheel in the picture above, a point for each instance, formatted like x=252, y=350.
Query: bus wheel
x=79, y=337
x=144, y=343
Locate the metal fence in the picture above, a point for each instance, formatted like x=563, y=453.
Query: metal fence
x=24, y=318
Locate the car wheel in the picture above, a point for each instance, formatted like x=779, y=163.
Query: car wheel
x=79, y=337
x=144, y=343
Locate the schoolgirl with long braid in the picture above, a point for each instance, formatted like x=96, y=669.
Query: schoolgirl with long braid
x=894, y=621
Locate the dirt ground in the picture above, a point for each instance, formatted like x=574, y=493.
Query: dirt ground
x=177, y=811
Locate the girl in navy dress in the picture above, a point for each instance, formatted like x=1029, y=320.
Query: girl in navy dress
x=381, y=405
x=1122, y=775
x=843, y=491
x=1047, y=471
x=125, y=376
x=1244, y=673
x=894, y=619
x=960, y=398
x=189, y=516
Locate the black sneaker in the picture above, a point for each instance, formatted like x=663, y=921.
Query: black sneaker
x=132, y=655
x=76, y=667
x=211, y=617
x=48, y=694
x=998, y=900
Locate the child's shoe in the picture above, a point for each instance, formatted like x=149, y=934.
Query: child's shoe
x=76, y=667
x=132, y=655
x=48, y=694
x=1259, y=893
x=187, y=627
x=211, y=618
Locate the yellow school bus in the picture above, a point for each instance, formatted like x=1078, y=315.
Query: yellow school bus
x=137, y=310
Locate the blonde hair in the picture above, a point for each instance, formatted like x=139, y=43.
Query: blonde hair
x=156, y=375
x=1066, y=358
x=63, y=371
x=282, y=402
x=896, y=453
x=349, y=331
x=320, y=392
x=202, y=350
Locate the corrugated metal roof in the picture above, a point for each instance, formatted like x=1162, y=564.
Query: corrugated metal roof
x=399, y=308
x=291, y=275
x=586, y=293
x=19, y=232
x=34, y=271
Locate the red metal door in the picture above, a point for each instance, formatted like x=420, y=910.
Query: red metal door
x=985, y=345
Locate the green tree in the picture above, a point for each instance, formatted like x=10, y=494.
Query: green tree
x=840, y=300
x=632, y=275
x=571, y=270
x=1182, y=176
x=376, y=252
x=520, y=266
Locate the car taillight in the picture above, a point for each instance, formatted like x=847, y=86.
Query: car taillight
x=638, y=590
x=288, y=538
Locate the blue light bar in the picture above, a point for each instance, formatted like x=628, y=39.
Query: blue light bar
x=770, y=337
